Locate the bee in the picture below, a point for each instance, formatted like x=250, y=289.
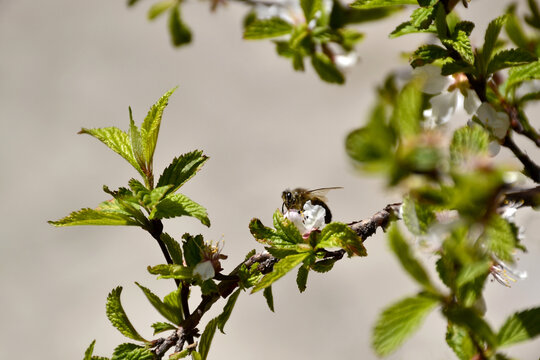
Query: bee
x=296, y=198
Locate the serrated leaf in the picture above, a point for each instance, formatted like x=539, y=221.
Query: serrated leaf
x=406, y=28
x=148, y=198
x=301, y=278
x=340, y=235
x=263, y=234
x=169, y=313
x=182, y=169
x=269, y=28
x=175, y=205
x=227, y=310
x=408, y=110
x=173, y=301
x=89, y=351
x=267, y=293
x=192, y=246
x=452, y=66
x=94, y=217
x=467, y=143
x=129, y=351
x=417, y=217
x=159, y=8
x=470, y=272
x=426, y=54
x=499, y=238
x=160, y=327
x=517, y=75
x=171, y=271
x=521, y=326
x=403, y=252
x=137, y=145
x=469, y=319
x=324, y=265
x=280, y=269
x=117, y=316
x=206, y=338
x=310, y=8
x=460, y=342
x=514, y=30
x=151, y=124
x=173, y=247
x=461, y=43
x=492, y=34
x=399, y=321
x=179, y=31
x=326, y=69
x=510, y=58
x=285, y=229
x=422, y=17
x=369, y=4
x=116, y=140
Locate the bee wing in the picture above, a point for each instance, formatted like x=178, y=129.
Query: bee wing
x=321, y=192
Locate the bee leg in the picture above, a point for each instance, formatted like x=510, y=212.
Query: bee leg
x=282, y=208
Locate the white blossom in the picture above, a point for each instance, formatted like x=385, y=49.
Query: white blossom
x=205, y=270
x=310, y=219
x=496, y=121
x=452, y=93
x=506, y=274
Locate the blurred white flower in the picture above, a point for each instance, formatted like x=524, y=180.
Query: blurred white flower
x=288, y=10
x=506, y=274
x=496, y=121
x=205, y=270
x=452, y=93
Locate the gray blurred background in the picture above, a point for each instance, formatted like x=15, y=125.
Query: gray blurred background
x=66, y=64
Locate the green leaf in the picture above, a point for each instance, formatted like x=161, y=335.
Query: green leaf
x=368, y=4
x=326, y=69
x=403, y=252
x=514, y=30
x=159, y=8
x=267, y=293
x=118, y=141
x=521, y=326
x=426, y=54
x=310, y=7
x=534, y=19
x=171, y=271
x=301, y=277
x=417, y=217
x=173, y=247
x=510, y=58
x=324, y=265
x=151, y=124
x=129, y=351
x=518, y=74
x=460, y=342
x=94, y=217
x=196, y=355
x=407, y=28
x=280, y=269
x=408, y=110
x=192, y=249
x=173, y=301
x=117, y=316
x=285, y=229
x=179, y=355
x=461, y=43
x=170, y=313
x=89, y=351
x=137, y=146
x=469, y=319
x=160, y=327
x=227, y=310
x=148, y=198
x=263, y=29
x=179, y=31
x=422, y=17
x=499, y=238
x=206, y=338
x=181, y=170
x=467, y=143
x=399, y=321
x=452, y=66
x=471, y=272
x=337, y=234
x=180, y=205
x=492, y=34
